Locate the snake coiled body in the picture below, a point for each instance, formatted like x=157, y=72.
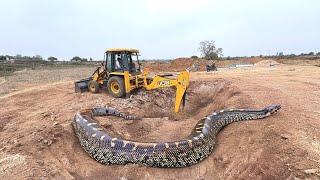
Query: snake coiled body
x=185, y=152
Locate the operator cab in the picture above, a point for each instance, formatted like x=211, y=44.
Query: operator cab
x=120, y=60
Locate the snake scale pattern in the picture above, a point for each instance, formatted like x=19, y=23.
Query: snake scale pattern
x=105, y=149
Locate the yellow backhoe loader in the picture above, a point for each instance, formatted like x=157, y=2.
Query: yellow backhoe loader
x=121, y=76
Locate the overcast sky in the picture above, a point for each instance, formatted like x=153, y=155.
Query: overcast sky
x=160, y=29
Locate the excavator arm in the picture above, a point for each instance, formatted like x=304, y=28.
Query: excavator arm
x=181, y=83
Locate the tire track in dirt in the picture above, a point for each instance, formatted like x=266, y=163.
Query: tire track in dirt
x=34, y=89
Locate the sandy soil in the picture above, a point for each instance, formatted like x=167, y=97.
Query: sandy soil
x=37, y=139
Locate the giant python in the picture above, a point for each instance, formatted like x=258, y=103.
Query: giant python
x=106, y=149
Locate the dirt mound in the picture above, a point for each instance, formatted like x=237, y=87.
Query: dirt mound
x=175, y=65
x=160, y=102
x=181, y=64
x=266, y=63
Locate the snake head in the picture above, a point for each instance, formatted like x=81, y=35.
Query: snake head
x=273, y=108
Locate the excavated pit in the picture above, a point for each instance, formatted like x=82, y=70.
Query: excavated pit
x=159, y=122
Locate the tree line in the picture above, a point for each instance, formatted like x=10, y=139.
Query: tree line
x=210, y=51
x=19, y=57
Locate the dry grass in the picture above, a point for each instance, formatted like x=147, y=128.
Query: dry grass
x=304, y=62
x=28, y=78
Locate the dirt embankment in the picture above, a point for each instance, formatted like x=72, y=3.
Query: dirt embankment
x=37, y=139
x=181, y=64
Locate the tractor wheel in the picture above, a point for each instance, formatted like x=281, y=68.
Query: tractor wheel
x=116, y=87
x=93, y=86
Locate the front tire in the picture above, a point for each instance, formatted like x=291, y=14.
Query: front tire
x=116, y=87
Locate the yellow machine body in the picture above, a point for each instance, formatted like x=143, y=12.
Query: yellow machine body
x=133, y=81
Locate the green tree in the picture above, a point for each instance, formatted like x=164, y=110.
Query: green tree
x=311, y=53
x=18, y=56
x=291, y=55
x=209, y=50
x=37, y=57
x=76, y=59
x=51, y=58
x=194, y=57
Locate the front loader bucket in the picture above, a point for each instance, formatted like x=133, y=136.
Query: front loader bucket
x=82, y=85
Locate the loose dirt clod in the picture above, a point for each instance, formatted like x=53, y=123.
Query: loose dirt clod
x=8, y=162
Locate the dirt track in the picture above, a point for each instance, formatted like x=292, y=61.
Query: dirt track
x=37, y=140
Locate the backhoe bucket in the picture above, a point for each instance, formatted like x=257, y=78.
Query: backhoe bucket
x=181, y=83
x=82, y=85
x=182, y=86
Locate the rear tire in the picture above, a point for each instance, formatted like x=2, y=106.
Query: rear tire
x=93, y=86
x=116, y=87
